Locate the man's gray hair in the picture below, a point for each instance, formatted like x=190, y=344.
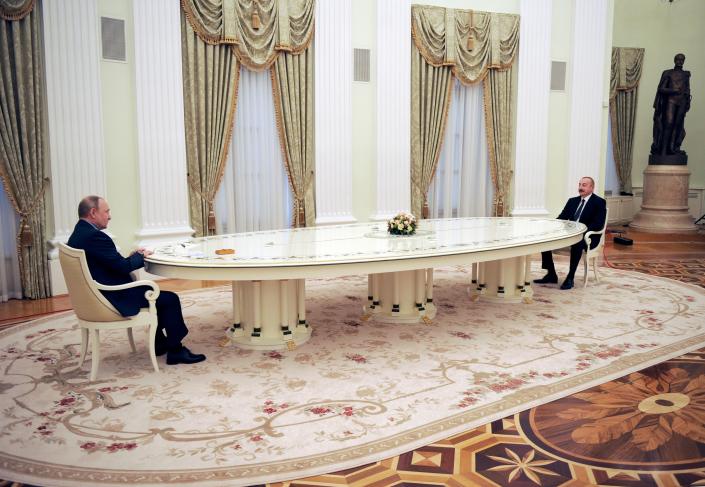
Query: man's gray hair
x=86, y=204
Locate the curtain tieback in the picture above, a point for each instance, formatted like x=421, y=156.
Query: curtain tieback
x=499, y=204
x=211, y=219
x=299, y=206
x=210, y=223
x=425, y=210
x=198, y=191
x=25, y=234
x=299, y=212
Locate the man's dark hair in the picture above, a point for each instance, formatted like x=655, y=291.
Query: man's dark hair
x=84, y=207
x=592, y=181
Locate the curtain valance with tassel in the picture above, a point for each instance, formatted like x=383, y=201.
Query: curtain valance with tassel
x=15, y=9
x=256, y=29
x=468, y=41
x=627, y=63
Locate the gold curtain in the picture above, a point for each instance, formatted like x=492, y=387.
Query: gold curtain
x=210, y=75
x=627, y=63
x=292, y=82
x=497, y=92
x=22, y=122
x=473, y=46
x=260, y=34
x=431, y=93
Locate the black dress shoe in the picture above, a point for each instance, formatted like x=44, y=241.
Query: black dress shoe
x=550, y=278
x=567, y=284
x=184, y=356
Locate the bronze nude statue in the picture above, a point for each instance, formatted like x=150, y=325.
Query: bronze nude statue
x=671, y=104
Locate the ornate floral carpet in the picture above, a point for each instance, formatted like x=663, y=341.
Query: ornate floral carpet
x=356, y=393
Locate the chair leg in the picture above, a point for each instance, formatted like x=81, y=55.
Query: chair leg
x=84, y=346
x=152, y=341
x=585, y=268
x=131, y=339
x=594, y=269
x=95, y=353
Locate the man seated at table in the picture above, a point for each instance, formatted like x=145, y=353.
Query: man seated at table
x=108, y=267
x=586, y=208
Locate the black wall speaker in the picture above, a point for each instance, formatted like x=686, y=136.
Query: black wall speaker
x=623, y=240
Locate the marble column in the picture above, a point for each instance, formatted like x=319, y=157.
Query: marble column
x=532, y=108
x=160, y=123
x=74, y=116
x=393, y=108
x=334, y=65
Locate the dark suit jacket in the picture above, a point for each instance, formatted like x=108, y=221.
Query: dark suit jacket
x=108, y=267
x=593, y=215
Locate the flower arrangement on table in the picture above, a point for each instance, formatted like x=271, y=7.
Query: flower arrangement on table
x=402, y=224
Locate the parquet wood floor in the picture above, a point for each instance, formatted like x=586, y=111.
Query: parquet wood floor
x=661, y=442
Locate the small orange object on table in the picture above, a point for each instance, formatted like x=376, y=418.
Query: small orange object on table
x=224, y=251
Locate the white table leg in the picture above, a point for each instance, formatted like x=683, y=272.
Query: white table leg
x=528, y=291
x=301, y=325
x=401, y=297
x=502, y=280
x=236, y=328
x=420, y=281
x=267, y=313
x=429, y=289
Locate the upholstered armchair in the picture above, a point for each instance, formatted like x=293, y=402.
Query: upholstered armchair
x=591, y=255
x=94, y=311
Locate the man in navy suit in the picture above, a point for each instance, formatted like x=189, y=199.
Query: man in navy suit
x=108, y=267
x=587, y=208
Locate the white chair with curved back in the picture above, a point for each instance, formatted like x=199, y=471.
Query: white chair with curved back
x=593, y=254
x=94, y=311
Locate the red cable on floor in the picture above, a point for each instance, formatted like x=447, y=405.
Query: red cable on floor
x=604, y=251
x=604, y=258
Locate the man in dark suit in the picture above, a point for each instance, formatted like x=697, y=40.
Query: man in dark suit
x=587, y=208
x=108, y=267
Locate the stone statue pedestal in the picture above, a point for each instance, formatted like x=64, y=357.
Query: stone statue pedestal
x=664, y=207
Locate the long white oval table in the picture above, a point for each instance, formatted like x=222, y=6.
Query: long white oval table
x=269, y=268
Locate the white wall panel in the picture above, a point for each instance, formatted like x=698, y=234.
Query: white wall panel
x=393, y=107
x=334, y=64
x=587, y=81
x=72, y=58
x=160, y=122
x=532, y=108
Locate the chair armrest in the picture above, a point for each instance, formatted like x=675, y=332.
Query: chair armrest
x=150, y=295
x=586, y=238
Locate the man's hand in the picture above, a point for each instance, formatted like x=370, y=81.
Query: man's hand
x=145, y=252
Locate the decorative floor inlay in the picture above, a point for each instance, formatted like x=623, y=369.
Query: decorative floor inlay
x=356, y=393
x=684, y=270
x=658, y=413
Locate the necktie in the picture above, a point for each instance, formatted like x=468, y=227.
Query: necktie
x=576, y=216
